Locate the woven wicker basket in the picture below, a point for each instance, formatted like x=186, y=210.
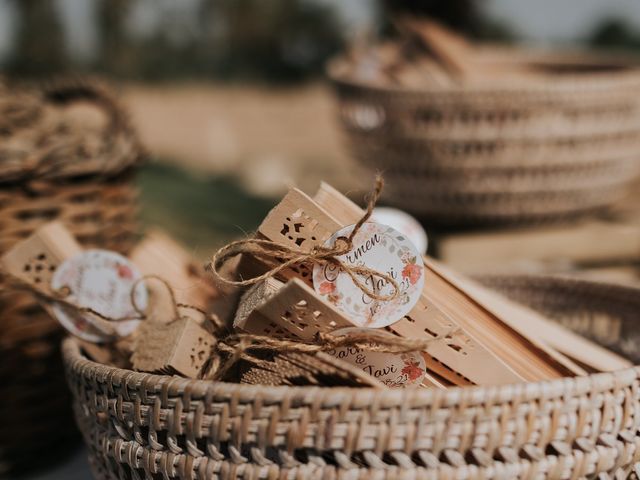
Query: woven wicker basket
x=540, y=148
x=53, y=168
x=139, y=425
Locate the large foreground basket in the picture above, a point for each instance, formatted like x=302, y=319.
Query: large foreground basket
x=139, y=425
x=67, y=153
x=499, y=152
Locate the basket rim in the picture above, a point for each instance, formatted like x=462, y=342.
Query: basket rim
x=567, y=83
x=125, y=148
x=80, y=365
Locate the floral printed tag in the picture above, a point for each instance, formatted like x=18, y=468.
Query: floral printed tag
x=385, y=250
x=392, y=369
x=101, y=280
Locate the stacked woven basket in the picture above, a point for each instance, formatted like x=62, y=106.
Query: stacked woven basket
x=140, y=425
x=67, y=152
x=559, y=142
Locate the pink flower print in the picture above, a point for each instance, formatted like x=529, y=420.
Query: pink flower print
x=327, y=287
x=412, y=272
x=412, y=370
x=125, y=272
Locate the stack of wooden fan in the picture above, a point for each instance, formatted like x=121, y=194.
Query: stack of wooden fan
x=478, y=337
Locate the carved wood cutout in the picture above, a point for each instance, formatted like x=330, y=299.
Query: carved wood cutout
x=297, y=221
x=181, y=346
x=34, y=259
x=292, y=308
x=460, y=353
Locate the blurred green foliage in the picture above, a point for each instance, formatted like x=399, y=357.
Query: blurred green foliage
x=202, y=211
x=274, y=40
x=465, y=16
x=615, y=34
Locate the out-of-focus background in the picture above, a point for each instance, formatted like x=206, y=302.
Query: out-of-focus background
x=230, y=99
x=229, y=96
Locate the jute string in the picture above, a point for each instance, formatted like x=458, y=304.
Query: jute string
x=282, y=257
x=230, y=346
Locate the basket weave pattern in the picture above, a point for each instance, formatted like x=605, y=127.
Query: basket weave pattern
x=51, y=170
x=516, y=152
x=140, y=425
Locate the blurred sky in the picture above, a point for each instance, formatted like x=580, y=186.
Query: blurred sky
x=561, y=20
x=540, y=21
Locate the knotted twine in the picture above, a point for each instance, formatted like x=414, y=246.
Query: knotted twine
x=281, y=257
x=230, y=347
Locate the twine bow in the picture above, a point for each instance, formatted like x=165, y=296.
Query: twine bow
x=230, y=347
x=280, y=257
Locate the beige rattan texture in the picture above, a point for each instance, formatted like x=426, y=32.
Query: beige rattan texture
x=140, y=425
x=52, y=168
x=519, y=151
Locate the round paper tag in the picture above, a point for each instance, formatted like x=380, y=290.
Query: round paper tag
x=404, y=223
x=384, y=250
x=392, y=369
x=101, y=280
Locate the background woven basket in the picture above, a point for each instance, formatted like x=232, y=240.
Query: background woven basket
x=66, y=152
x=140, y=425
x=530, y=149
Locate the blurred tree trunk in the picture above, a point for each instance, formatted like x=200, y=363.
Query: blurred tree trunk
x=40, y=47
x=114, y=55
x=465, y=16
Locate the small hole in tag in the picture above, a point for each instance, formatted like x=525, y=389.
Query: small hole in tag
x=27, y=268
x=317, y=314
x=64, y=291
x=341, y=240
x=42, y=256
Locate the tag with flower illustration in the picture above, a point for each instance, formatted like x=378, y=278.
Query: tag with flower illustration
x=103, y=281
x=384, y=250
x=393, y=369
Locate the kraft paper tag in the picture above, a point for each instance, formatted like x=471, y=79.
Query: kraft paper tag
x=103, y=281
x=382, y=249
